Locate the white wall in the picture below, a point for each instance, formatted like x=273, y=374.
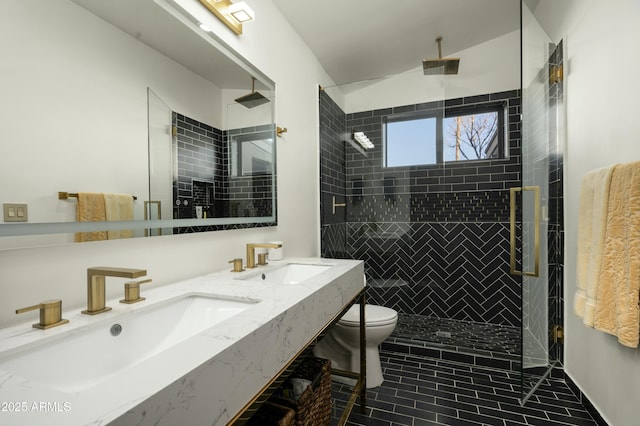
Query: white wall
x=35, y=274
x=601, y=91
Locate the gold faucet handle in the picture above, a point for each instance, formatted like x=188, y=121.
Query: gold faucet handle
x=237, y=265
x=262, y=259
x=132, y=291
x=50, y=314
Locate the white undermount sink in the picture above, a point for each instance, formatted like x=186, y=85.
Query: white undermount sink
x=291, y=273
x=82, y=359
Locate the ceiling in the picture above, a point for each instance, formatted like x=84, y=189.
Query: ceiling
x=151, y=24
x=356, y=40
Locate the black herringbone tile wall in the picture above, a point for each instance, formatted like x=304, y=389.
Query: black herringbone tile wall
x=456, y=270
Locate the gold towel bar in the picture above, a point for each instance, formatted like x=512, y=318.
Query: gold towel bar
x=66, y=195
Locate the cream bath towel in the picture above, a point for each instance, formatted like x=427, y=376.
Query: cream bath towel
x=119, y=207
x=91, y=208
x=617, y=305
x=592, y=220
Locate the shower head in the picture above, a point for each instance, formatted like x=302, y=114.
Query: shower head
x=441, y=65
x=252, y=99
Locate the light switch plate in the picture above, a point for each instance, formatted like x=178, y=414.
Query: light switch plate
x=15, y=212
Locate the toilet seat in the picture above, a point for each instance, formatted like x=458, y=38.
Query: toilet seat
x=375, y=316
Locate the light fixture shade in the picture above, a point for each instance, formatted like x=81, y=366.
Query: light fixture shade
x=229, y=13
x=241, y=12
x=363, y=140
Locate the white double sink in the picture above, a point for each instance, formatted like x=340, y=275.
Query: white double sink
x=83, y=358
x=289, y=274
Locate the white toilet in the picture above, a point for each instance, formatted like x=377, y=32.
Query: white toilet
x=342, y=343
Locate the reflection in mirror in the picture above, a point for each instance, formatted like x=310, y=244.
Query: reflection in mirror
x=221, y=174
x=194, y=168
x=87, y=117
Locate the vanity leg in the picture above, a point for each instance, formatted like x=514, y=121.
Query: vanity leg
x=363, y=356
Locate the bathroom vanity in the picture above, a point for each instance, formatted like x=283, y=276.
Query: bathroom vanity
x=200, y=351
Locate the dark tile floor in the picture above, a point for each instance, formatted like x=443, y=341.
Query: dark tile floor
x=419, y=390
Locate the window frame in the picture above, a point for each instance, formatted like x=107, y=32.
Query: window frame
x=498, y=107
x=501, y=108
x=235, y=154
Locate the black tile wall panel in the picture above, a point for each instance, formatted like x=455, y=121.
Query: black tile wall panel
x=203, y=160
x=442, y=230
x=199, y=148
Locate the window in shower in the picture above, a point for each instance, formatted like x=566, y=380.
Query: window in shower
x=469, y=133
x=411, y=141
x=475, y=133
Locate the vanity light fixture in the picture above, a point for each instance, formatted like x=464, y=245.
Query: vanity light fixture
x=363, y=140
x=229, y=13
x=241, y=12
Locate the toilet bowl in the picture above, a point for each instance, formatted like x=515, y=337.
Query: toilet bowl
x=342, y=343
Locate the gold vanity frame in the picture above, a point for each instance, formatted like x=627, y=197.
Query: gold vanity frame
x=512, y=228
x=359, y=388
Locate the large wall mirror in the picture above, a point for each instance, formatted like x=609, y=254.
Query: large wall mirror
x=134, y=101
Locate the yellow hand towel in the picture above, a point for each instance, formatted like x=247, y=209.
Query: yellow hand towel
x=119, y=207
x=90, y=208
x=617, y=305
x=592, y=220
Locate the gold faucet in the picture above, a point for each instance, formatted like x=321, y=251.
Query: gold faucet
x=50, y=314
x=95, y=285
x=251, y=252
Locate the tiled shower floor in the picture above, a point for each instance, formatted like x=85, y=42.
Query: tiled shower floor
x=457, y=336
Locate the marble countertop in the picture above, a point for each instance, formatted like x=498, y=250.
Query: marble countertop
x=205, y=379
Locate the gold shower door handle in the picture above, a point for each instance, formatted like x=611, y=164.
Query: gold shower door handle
x=536, y=231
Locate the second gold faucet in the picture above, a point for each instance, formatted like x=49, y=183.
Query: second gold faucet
x=96, y=285
x=251, y=252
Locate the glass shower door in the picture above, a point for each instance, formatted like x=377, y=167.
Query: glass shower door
x=530, y=204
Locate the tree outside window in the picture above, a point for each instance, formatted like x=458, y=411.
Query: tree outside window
x=471, y=137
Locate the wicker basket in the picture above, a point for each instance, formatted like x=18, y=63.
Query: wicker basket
x=313, y=408
x=272, y=414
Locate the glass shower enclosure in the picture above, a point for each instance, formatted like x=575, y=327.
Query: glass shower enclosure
x=536, y=220
x=463, y=247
